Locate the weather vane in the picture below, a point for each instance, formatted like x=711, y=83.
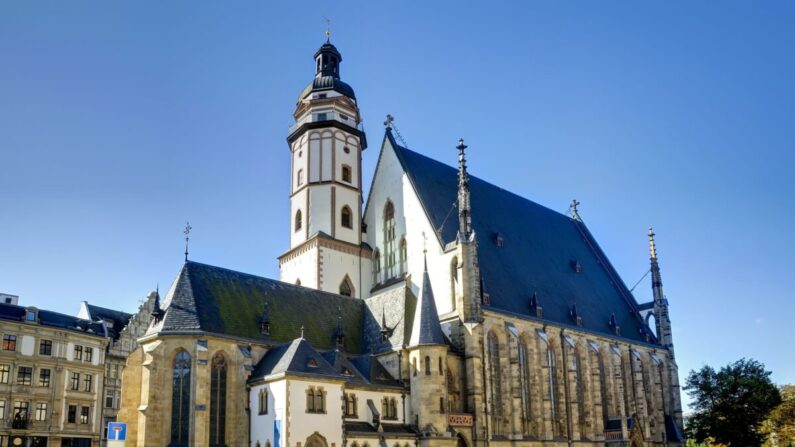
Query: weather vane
x=187, y=238
x=328, y=28
x=389, y=120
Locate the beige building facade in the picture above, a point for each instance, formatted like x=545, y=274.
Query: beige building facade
x=51, y=375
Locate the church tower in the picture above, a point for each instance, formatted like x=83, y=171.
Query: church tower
x=326, y=143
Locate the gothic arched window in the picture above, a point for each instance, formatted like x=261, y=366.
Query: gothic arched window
x=524, y=383
x=376, y=266
x=298, y=220
x=453, y=280
x=263, y=401
x=180, y=400
x=346, y=217
x=495, y=384
x=579, y=386
x=218, y=401
x=427, y=365
x=404, y=254
x=389, y=239
x=346, y=289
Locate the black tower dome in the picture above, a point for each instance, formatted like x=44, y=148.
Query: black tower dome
x=327, y=73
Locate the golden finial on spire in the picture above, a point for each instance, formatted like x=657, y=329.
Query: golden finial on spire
x=652, y=245
x=328, y=28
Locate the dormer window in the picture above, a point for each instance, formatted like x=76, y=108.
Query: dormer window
x=312, y=363
x=499, y=240
x=30, y=315
x=346, y=372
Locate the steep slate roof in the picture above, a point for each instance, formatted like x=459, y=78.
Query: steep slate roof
x=426, y=329
x=540, y=249
x=212, y=299
x=11, y=312
x=119, y=318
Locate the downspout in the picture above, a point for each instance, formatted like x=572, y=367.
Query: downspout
x=566, y=394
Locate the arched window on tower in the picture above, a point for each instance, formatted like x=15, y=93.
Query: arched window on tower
x=346, y=173
x=298, y=220
x=346, y=217
x=346, y=288
x=299, y=177
x=427, y=365
x=389, y=239
x=495, y=384
x=453, y=281
x=180, y=400
x=218, y=401
x=403, y=255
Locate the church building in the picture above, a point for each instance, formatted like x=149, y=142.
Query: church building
x=439, y=310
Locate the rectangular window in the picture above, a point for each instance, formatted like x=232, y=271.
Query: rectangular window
x=89, y=354
x=5, y=373
x=322, y=117
x=87, y=379
x=45, y=347
x=72, y=414
x=2, y=410
x=84, y=415
x=21, y=409
x=44, y=377
x=9, y=342
x=24, y=375
x=41, y=411
x=78, y=352
x=75, y=381
x=109, y=399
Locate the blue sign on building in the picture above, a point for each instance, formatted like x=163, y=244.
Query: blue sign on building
x=117, y=431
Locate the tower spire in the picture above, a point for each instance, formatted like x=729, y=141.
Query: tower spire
x=661, y=318
x=464, y=210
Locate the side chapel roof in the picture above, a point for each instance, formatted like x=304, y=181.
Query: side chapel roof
x=216, y=300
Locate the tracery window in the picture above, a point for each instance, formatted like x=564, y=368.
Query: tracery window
x=524, y=383
x=389, y=239
x=453, y=280
x=495, y=384
x=218, y=401
x=315, y=400
x=579, y=386
x=346, y=217
x=180, y=400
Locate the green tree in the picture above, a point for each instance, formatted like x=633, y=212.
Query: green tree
x=780, y=425
x=731, y=404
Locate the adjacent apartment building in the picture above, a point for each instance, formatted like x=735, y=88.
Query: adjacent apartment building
x=52, y=368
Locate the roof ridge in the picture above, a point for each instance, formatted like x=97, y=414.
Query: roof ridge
x=476, y=178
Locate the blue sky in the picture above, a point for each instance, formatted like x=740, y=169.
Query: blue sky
x=120, y=121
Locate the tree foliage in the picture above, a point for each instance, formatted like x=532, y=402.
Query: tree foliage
x=731, y=404
x=780, y=425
